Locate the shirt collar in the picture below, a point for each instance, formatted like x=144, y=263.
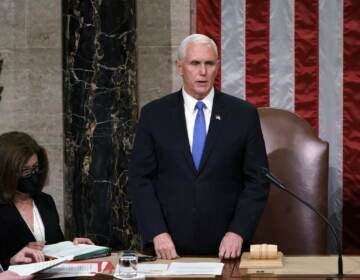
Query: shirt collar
x=190, y=101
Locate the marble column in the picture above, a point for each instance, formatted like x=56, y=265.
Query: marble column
x=100, y=113
x=161, y=26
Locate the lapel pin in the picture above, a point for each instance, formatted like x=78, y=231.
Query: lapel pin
x=218, y=117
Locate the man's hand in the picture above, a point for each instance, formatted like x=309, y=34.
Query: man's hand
x=164, y=246
x=230, y=246
x=10, y=275
x=27, y=255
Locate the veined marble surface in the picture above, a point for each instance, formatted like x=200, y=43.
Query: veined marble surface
x=100, y=113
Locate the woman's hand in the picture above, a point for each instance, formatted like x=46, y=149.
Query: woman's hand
x=10, y=275
x=27, y=255
x=37, y=245
x=82, y=240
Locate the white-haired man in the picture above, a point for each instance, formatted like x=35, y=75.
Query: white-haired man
x=192, y=174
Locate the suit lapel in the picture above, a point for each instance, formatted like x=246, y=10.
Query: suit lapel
x=179, y=122
x=218, y=116
x=22, y=226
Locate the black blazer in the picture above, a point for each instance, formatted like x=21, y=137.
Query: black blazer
x=15, y=234
x=197, y=207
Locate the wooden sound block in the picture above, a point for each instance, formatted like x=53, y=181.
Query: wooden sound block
x=247, y=262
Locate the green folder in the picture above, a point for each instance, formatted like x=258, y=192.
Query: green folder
x=77, y=251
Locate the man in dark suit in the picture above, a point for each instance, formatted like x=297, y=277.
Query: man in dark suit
x=192, y=175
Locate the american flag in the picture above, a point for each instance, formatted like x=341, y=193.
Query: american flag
x=303, y=56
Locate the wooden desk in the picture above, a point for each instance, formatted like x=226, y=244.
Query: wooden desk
x=232, y=271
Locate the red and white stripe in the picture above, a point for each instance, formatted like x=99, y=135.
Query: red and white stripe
x=303, y=56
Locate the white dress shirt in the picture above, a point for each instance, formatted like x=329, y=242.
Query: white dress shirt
x=39, y=229
x=191, y=111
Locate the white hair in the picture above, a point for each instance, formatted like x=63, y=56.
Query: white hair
x=195, y=39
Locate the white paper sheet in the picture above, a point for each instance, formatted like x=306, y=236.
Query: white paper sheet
x=152, y=268
x=196, y=268
x=31, y=268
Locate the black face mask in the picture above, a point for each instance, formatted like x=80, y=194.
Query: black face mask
x=29, y=184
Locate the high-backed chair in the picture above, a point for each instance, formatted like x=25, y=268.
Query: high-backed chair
x=300, y=160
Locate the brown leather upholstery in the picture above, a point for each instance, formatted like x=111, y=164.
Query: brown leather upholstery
x=300, y=160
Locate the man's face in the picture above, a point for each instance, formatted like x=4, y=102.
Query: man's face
x=198, y=69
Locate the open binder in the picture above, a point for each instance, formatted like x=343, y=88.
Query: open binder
x=31, y=268
x=77, y=251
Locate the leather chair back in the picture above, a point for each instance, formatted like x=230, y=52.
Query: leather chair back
x=300, y=160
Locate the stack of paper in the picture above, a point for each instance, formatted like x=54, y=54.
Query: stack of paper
x=31, y=268
x=75, y=269
x=152, y=268
x=196, y=268
x=78, y=251
x=181, y=268
x=58, y=269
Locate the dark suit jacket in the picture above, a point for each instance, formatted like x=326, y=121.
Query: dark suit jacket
x=197, y=207
x=15, y=234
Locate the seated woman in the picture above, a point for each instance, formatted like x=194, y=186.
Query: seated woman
x=28, y=216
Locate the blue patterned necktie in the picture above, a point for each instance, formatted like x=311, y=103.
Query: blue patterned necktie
x=199, y=134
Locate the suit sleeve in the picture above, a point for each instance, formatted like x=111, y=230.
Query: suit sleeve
x=5, y=245
x=253, y=196
x=142, y=178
